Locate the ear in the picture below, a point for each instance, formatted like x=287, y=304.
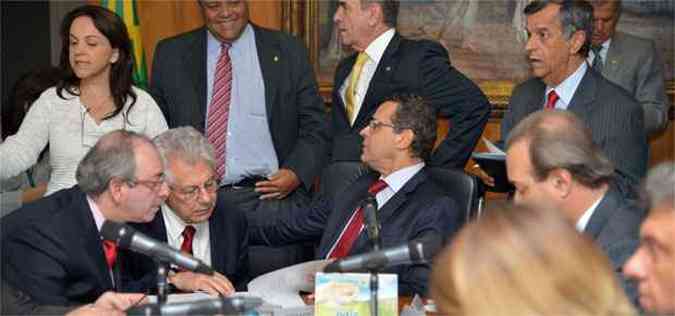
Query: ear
x=115, y=55
x=374, y=14
x=561, y=181
x=577, y=41
x=117, y=188
x=404, y=139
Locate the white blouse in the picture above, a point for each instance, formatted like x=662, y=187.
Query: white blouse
x=70, y=132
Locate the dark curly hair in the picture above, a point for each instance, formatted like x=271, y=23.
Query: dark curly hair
x=414, y=113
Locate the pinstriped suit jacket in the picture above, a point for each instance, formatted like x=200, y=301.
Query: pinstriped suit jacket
x=614, y=117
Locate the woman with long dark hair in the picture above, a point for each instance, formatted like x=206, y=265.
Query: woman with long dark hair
x=94, y=96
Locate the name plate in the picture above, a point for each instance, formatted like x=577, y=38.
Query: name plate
x=348, y=294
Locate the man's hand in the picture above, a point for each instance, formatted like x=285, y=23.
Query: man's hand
x=110, y=303
x=120, y=301
x=278, y=185
x=213, y=284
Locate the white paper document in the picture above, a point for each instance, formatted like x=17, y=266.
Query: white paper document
x=492, y=147
x=281, y=287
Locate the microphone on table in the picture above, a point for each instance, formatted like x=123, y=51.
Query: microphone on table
x=128, y=238
x=417, y=251
x=221, y=305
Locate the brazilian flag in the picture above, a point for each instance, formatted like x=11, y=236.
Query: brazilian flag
x=126, y=9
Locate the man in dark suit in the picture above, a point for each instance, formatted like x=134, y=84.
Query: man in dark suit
x=52, y=250
x=397, y=140
x=563, y=81
x=387, y=64
x=552, y=161
x=256, y=90
x=629, y=61
x=194, y=221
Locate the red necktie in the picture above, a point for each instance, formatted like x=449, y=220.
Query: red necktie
x=551, y=100
x=219, y=109
x=110, y=250
x=354, y=226
x=188, y=236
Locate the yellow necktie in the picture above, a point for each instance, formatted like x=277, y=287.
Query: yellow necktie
x=353, y=81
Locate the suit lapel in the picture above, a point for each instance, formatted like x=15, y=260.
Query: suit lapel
x=269, y=56
x=601, y=215
x=215, y=233
x=613, y=60
x=380, y=83
x=91, y=242
x=195, y=60
x=341, y=74
x=390, y=208
x=585, y=94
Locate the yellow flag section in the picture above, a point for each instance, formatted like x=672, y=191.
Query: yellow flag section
x=126, y=9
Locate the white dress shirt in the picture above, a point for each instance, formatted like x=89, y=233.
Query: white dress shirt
x=201, y=244
x=586, y=217
x=566, y=89
x=603, y=53
x=374, y=51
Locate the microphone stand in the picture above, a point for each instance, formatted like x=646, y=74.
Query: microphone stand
x=162, y=281
x=373, y=231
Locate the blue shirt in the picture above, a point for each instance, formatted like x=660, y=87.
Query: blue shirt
x=249, y=150
x=565, y=90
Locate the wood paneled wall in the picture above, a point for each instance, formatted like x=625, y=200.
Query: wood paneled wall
x=162, y=19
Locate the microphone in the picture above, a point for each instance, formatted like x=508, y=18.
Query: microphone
x=371, y=223
x=414, y=252
x=128, y=238
x=221, y=305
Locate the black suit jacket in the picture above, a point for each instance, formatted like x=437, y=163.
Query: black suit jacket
x=414, y=67
x=295, y=111
x=228, y=237
x=419, y=210
x=616, y=120
x=18, y=303
x=52, y=251
x=615, y=227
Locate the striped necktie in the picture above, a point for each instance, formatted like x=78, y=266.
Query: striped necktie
x=219, y=109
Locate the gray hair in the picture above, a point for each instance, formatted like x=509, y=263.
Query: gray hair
x=414, y=113
x=560, y=140
x=111, y=157
x=186, y=144
x=660, y=184
x=575, y=15
x=389, y=10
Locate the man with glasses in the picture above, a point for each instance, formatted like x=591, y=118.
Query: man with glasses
x=396, y=142
x=194, y=219
x=52, y=249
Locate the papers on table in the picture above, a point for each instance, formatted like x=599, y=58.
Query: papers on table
x=281, y=287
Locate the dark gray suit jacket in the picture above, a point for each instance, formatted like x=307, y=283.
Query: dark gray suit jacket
x=419, y=210
x=295, y=111
x=614, y=117
x=633, y=63
x=615, y=227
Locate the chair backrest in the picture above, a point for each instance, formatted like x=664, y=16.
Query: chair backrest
x=336, y=176
x=465, y=189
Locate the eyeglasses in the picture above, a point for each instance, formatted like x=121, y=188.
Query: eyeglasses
x=152, y=185
x=375, y=124
x=192, y=192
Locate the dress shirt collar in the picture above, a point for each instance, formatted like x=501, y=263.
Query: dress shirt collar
x=377, y=47
x=603, y=52
x=213, y=44
x=568, y=87
x=96, y=212
x=400, y=177
x=175, y=225
x=586, y=217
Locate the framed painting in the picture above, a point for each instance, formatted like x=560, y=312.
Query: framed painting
x=485, y=39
